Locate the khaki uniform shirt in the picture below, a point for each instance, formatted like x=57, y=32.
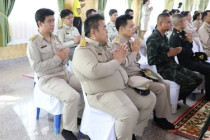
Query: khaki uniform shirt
x=97, y=71
x=112, y=31
x=43, y=58
x=131, y=64
x=67, y=35
x=204, y=34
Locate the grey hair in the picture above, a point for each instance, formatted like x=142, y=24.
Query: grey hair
x=177, y=19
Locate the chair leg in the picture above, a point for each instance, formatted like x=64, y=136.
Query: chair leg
x=37, y=113
x=80, y=135
x=57, y=123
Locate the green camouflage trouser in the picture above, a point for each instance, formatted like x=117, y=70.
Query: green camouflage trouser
x=187, y=80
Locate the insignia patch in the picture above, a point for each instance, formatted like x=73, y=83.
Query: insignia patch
x=83, y=42
x=117, y=40
x=33, y=37
x=43, y=46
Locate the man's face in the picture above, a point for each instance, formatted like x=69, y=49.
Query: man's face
x=207, y=19
x=48, y=25
x=167, y=24
x=131, y=13
x=68, y=20
x=101, y=34
x=129, y=30
x=113, y=17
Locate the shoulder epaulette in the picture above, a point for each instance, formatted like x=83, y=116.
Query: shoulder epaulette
x=83, y=42
x=33, y=37
x=117, y=40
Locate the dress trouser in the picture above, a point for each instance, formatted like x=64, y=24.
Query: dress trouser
x=131, y=110
x=163, y=103
x=67, y=89
x=203, y=68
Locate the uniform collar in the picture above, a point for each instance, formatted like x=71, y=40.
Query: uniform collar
x=122, y=39
x=207, y=25
x=41, y=36
x=112, y=23
x=94, y=42
x=67, y=27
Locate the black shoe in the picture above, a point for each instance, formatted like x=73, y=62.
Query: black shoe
x=68, y=135
x=133, y=137
x=164, y=123
x=79, y=121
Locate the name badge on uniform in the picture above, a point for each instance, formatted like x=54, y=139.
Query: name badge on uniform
x=99, y=53
x=43, y=46
x=67, y=33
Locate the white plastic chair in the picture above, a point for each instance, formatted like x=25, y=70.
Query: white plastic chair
x=97, y=124
x=50, y=104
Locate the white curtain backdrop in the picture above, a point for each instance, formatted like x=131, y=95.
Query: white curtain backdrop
x=22, y=19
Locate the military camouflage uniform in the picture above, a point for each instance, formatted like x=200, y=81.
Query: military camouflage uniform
x=186, y=57
x=157, y=48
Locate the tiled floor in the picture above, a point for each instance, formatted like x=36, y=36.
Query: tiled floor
x=17, y=113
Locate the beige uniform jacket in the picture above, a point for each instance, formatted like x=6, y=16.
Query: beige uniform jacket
x=96, y=69
x=131, y=64
x=204, y=34
x=112, y=31
x=67, y=35
x=43, y=58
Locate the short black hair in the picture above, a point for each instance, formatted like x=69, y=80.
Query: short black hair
x=92, y=22
x=144, y=1
x=41, y=14
x=165, y=11
x=180, y=4
x=185, y=13
x=162, y=16
x=64, y=13
x=89, y=12
x=112, y=11
x=122, y=21
x=173, y=11
x=128, y=10
x=204, y=14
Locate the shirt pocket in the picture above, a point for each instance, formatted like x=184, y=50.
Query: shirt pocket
x=46, y=52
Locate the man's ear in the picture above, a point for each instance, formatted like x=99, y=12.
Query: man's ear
x=39, y=23
x=121, y=29
x=92, y=32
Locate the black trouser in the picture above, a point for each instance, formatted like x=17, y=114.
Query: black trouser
x=203, y=68
x=78, y=24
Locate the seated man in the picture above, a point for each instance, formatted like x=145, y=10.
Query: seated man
x=104, y=81
x=204, y=32
x=162, y=55
x=126, y=30
x=69, y=35
x=186, y=57
x=48, y=60
x=112, y=31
